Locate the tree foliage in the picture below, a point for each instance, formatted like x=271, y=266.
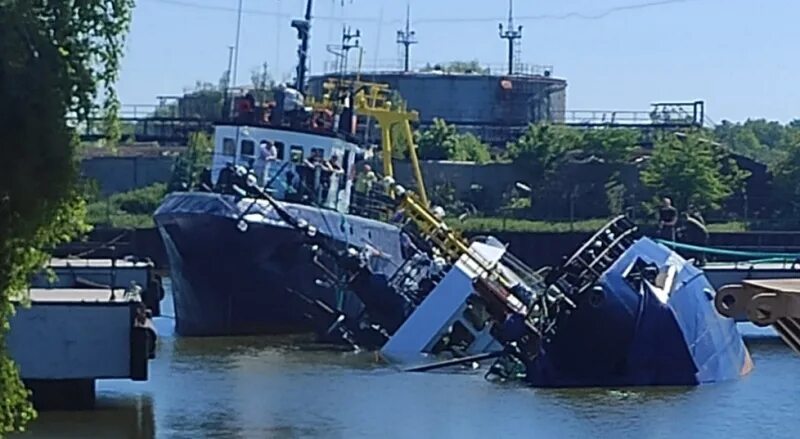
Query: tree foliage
x=57, y=56
x=443, y=142
x=768, y=142
x=543, y=148
x=132, y=209
x=189, y=165
x=456, y=67
x=692, y=172
x=787, y=184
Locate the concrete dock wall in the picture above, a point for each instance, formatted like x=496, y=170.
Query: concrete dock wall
x=76, y=341
x=121, y=174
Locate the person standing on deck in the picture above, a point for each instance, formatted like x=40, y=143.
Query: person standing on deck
x=667, y=219
x=267, y=154
x=363, y=186
x=695, y=233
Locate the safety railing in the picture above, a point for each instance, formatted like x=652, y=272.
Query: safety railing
x=396, y=66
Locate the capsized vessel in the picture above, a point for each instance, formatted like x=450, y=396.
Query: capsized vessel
x=622, y=311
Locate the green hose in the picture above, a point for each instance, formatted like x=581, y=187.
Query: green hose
x=762, y=256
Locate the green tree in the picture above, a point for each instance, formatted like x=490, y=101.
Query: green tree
x=691, y=171
x=457, y=67
x=612, y=145
x=470, y=148
x=189, y=165
x=436, y=142
x=787, y=184
x=765, y=141
x=542, y=147
x=56, y=57
x=443, y=142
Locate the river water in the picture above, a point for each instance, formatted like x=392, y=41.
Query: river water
x=260, y=387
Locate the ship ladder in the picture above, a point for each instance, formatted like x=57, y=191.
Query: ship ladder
x=597, y=255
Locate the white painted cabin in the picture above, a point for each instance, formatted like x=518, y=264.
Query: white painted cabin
x=241, y=145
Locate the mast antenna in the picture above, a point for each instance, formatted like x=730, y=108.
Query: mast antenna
x=406, y=38
x=303, y=32
x=513, y=36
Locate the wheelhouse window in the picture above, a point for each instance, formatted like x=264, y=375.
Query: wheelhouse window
x=248, y=148
x=296, y=154
x=228, y=147
x=279, y=146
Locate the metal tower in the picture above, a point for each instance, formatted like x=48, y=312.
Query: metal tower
x=513, y=36
x=341, y=51
x=406, y=38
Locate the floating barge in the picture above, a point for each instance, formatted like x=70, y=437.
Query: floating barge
x=66, y=273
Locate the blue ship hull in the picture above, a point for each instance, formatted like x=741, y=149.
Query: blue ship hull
x=631, y=335
x=229, y=282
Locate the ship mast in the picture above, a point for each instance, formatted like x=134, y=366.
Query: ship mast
x=303, y=30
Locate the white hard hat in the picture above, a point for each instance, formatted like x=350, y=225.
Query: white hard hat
x=438, y=212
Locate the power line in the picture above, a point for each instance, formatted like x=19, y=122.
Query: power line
x=542, y=17
x=565, y=16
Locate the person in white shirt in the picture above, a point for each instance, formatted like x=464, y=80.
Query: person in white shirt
x=267, y=155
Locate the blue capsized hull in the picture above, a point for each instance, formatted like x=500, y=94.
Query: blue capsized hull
x=226, y=282
x=628, y=334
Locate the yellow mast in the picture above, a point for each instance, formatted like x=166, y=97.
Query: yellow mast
x=374, y=103
x=371, y=99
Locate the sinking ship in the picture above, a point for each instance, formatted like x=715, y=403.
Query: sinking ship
x=237, y=262
x=235, y=258
x=624, y=310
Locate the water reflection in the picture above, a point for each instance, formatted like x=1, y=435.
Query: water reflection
x=115, y=416
x=277, y=387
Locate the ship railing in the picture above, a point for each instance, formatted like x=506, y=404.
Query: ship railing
x=375, y=204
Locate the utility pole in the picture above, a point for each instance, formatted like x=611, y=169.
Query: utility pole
x=238, y=31
x=512, y=35
x=406, y=37
x=227, y=107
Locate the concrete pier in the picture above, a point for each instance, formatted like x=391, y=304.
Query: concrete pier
x=68, y=338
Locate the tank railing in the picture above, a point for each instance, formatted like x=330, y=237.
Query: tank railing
x=671, y=116
x=395, y=66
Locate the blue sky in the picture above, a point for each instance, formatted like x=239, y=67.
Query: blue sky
x=740, y=56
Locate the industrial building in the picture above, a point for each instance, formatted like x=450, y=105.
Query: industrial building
x=494, y=106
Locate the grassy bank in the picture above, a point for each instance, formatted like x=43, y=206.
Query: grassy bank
x=495, y=224
x=127, y=210
x=134, y=209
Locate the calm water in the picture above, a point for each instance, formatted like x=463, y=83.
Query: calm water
x=269, y=388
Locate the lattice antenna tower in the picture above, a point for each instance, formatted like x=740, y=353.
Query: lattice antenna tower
x=405, y=38
x=514, y=37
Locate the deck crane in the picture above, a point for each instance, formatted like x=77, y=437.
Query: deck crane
x=375, y=100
